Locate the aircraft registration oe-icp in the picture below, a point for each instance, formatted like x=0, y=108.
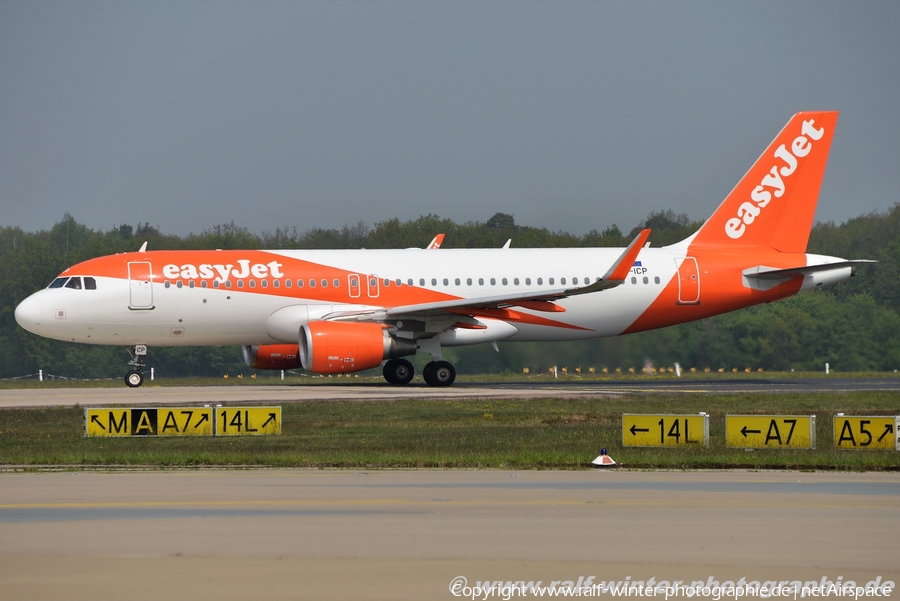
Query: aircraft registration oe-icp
x=339, y=311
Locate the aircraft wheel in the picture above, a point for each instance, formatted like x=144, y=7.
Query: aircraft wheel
x=439, y=373
x=134, y=378
x=398, y=371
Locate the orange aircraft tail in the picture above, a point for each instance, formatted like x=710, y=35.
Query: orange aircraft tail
x=774, y=203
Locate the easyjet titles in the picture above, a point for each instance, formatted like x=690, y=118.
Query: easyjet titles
x=773, y=182
x=223, y=272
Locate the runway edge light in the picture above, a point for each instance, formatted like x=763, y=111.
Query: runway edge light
x=603, y=460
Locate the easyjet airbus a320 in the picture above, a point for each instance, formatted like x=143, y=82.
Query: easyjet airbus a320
x=338, y=311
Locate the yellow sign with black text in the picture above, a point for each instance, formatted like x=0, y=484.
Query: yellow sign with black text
x=248, y=421
x=665, y=430
x=175, y=421
x=869, y=432
x=770, y=431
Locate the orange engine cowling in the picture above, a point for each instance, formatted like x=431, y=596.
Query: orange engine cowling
x=272, y=356
x=331, y=347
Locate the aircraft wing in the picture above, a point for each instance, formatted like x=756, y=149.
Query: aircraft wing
x=536, y=301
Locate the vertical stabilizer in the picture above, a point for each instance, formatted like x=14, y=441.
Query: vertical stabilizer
x=774, y=204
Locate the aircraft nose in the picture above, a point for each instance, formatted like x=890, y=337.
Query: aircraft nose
x=28, y=313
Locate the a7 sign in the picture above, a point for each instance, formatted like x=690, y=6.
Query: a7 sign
x=770, y=431
x=869, y=432
x=665, y=430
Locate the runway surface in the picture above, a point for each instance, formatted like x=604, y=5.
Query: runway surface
x=318, y=534
x=149, y=395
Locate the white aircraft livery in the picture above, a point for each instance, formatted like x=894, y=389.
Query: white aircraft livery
x=339, y=311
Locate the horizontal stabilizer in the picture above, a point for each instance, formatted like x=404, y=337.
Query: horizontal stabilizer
x=770, y=273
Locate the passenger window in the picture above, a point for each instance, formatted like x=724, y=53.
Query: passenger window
x=481, y=281
x=550, y=281
x=204, y=284
x=646, y=280
x=228, y=283
x=167, y=284
x=634, y=280
x=191, y=284
x=562, y=281
x=265, y=283
x=287, y=283
x=656, y=280
x=215, y=284
x=468, y=281
x=58, y=283
x=528, y=281
x=336, y=283
x=575, y=281
x=399, y=282
x=387, y=282
x=456, y=281
x=253, y=283
x=312, y=283
x=516, y=281
x=505, y=281
x=90, y=284
x=240, y=284
x=421, y=281
x=493, y=281
x=409, y=282
x=74, y=283
x=540, y=281
x=434, y=281
x=446, y=282
x=324, y=283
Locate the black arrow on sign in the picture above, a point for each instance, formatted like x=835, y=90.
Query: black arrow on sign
x=96, y=420
x=745, y=431
x=271, y=418
x=888, y=429
x=634, y=429
x=202, y=419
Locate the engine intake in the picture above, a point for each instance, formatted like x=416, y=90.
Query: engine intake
x=331, y=347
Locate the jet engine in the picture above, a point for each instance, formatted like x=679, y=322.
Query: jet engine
x=272, y=356
x=331, y=347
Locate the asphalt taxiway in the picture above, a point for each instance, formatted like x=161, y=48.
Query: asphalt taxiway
x=150, y=395
x=314, y=534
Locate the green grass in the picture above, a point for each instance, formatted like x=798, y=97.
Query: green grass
x=512, y=434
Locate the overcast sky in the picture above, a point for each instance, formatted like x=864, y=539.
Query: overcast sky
x=569, y=115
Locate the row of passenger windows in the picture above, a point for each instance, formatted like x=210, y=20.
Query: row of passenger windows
x=336, y=283
x=75, y=283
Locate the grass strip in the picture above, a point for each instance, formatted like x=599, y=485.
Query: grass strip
x=547, y=433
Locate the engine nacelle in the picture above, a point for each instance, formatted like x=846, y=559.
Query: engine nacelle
x=331, y=347
x=272, y=356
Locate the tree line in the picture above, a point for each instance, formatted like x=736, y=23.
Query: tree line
x=854, y=325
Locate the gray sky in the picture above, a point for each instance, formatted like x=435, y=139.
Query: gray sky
x=569, y=115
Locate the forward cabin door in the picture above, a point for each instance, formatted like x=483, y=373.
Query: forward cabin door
x=139, y=283
x=688, y=281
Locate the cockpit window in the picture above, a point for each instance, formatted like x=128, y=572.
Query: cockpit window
x=90, y=283
x=58, y=283
x=74, y=283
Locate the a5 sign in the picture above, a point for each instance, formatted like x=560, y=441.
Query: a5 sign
x=866, y=432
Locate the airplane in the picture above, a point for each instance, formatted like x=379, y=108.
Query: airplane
x=342, y=311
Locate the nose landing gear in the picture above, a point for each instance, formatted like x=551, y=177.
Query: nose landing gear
x=135, y=377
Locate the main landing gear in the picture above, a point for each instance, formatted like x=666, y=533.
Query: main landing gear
x=436, y=373
x=135, y=377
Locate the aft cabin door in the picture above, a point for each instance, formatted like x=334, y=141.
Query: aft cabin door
x=688, y=281
x=139, y=283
